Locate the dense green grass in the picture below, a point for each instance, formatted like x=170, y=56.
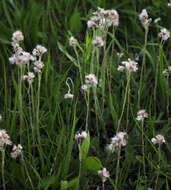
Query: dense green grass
x=53, y=160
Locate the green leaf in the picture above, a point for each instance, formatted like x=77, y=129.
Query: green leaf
x=92, y=164
x=85, y=147
x=75, y=21
x=64, y=185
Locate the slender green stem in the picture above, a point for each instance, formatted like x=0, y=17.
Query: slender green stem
x=103, y=187
x=158, y=167
x=167, y=95
x=3, y=164
x=143, y=66
x=128, y=106
x=87, y=102
x=80, y=165
x=125, y=97
x=117, y=167
x=143, y=147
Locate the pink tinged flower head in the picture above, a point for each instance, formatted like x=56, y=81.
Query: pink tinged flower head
x=143, y=16
x=17, y=36
x=159, y=139
x=82, y=135
x=39, y=50
x=164, y=34
x=130, y=65
x=104, y=174
x=4, y=138
x=98, y=42
x=16, y=151
x=118, y=140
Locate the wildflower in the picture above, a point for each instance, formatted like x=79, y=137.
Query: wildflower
x=81, y=135
x=104, y=174
x=159, y=139
x=157, y=20
x=0, y=117
x=39, y=50
x=4, y=138
x=120, y=68
x=17, y=36
x=141, y=115
x=129, y=65
x=91, y=80
x=164, y=34
x=117, y=141
x=120, y=55
x=98, y=42
x=169, y=4
x=16, y=151
x=165, y=73
x=30, y=77
x=145, y=21
x=68, y=96
x=38, y=66
x=72, y=41
x=114, y=17
x=85, y=87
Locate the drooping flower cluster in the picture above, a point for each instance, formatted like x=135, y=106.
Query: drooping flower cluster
x=81, y=135
x=68, y=95
x=166, y=71
x=104, y=174
x=164, y=34
x=141, y=115
x=98, y=42
x=4, y=138
x=103, y=18
x=117, y=141
x=129, y=65
x=144, y=19
x=159, y=139
x=16, y=151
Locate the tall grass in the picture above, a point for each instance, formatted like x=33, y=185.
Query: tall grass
x=51, y=158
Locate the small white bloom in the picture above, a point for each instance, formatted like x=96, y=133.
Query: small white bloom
x=169, y=4
x=159, y=139
x=157, y=20
x=68, y=96
x=104, y=174
x=85, y=87
x=164, y=34
x=91, y=80
x=130, y=65
x=0, y=117
x=17, y=36
x=83, y=135
x=120, y=68
x=16, y=151
x=141, y=115
x=72, y=41
x=39, y=50
x=144, y=18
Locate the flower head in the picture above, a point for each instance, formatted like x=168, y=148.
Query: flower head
x=68, y=96
x=4, y=138
x=159, y=139
x=164, y=34
x=98, y=42
x=72, y=41
x=17, y=36
x=39, y=50
x=30, y=77
x=104, y=174
x=145, y=21
x=81, y=135
x=16, y=151
x=91, y=80
x=141, y=115
x=128, y=65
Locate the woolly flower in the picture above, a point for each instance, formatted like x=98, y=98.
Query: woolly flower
x=16, y=151
x=144, y=18
x=38, y=66
x=98, y=42
x=17, y=36
x=30, y=77
x=39, y=50
x=104, y=174
x=117, y=141
x=157, y=20
x=141, y=115
x=81, y=135
x=129, y=65
x=159, y=139
x=164, y=34
x=72, y=41
x=4, y=138
x=91, y=80
x=68, y=96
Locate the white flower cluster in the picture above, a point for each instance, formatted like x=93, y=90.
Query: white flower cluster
x=16, y=151
x=81, y=135
x=38, y=66
x=159, y=139
x=104, y=174
x=164, y=34
x=90, y=81
x=98, y=42
x=68, y=96
x=72, y=41
x=169, y=4
x=141, y=115
x=39, y=50
x=166, y=71
x=143, y=16
x=4, y=138
x=103, y=18
x=117, y=141
x=128, y=65
x=29, y=77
